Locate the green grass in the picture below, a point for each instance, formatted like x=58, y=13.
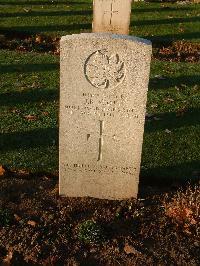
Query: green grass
x=6, y=217
x=30, y=85
x=155, y=21
x=175, y=154
x=90, y=232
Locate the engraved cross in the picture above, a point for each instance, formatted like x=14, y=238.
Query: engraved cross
x=100, y=140
x=111, y=12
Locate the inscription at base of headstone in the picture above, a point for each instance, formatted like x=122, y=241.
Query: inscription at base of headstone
x=104, y=80
x=111, y=16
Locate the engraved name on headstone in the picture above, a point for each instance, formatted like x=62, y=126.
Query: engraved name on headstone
x=104, y=80
x=111, y=16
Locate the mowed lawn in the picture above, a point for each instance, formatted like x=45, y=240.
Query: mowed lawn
x=156, y=21
x=29, y=88
x=29, y=115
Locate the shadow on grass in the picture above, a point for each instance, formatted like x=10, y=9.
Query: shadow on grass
x=49, y=13
x=164, y=21
x=155, y=177
x=42, y=137
x=169, y=175
x=47, y=28
x=161, y=9
x=161, y=180
x=36, y=3
x=171, y=121
x=19, y=68
x=178, y=36
x=31, y=96
x=156, y=84
x=180, y=173
x=156, y=40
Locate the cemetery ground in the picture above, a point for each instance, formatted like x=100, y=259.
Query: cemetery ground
x=37, y=227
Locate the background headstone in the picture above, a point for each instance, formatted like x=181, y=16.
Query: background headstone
x=104, y=81
x=111, y=16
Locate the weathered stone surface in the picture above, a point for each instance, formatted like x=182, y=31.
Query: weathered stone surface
x=104, y=81
x=111, y=16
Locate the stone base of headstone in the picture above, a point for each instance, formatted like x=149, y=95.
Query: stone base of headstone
x=104, y=80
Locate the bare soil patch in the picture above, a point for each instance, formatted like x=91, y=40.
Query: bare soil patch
x=37, y=227
x=177, y=51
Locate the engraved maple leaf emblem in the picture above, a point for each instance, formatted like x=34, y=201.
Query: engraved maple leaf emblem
x=103, y=70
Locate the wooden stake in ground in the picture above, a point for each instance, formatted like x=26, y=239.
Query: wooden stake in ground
x=111, y=16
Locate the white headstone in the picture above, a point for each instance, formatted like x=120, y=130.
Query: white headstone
x=104, y=80
x=111, y=16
